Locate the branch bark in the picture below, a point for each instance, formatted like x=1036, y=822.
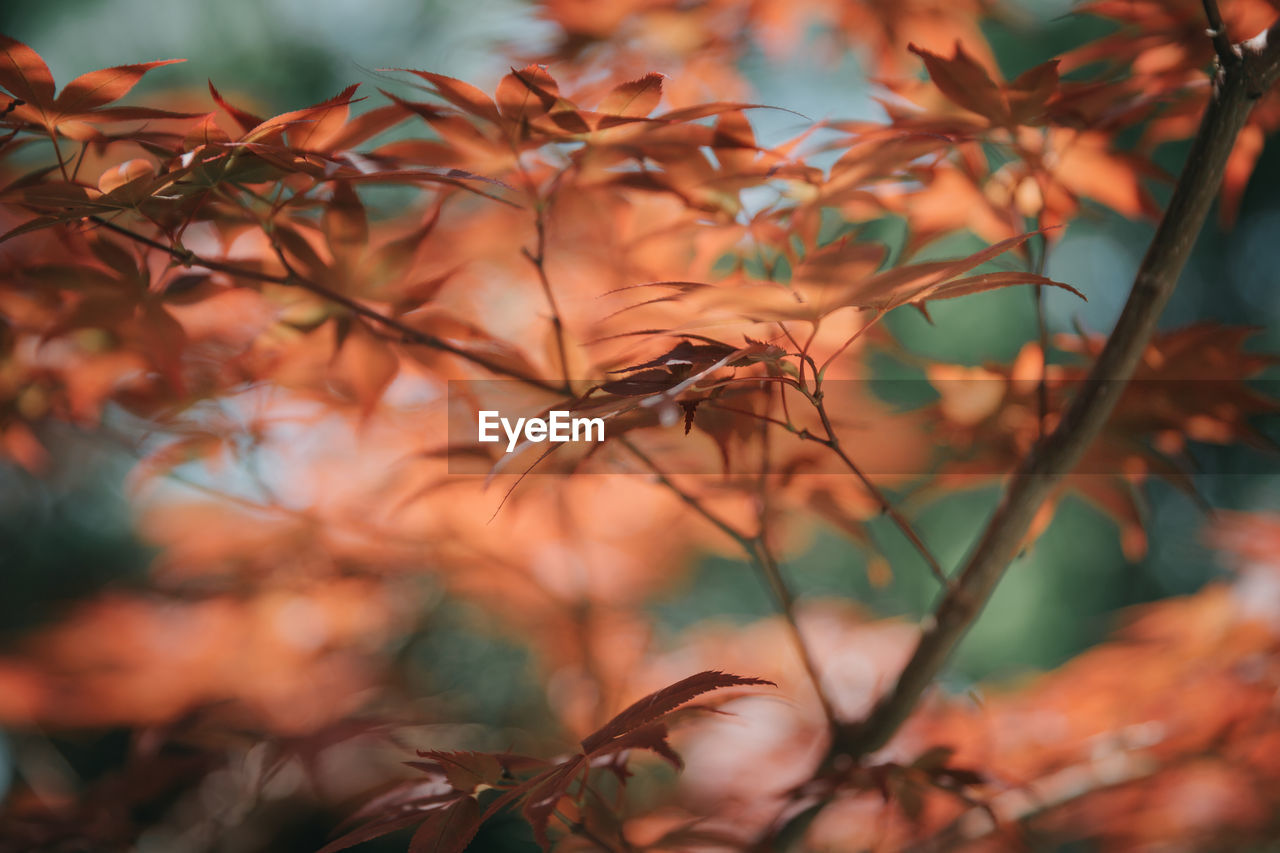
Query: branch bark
x=1236, y=86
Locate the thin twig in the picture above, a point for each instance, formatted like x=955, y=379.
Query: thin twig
x=1042, y=335
x=57, y=152
x=538, y=257
x=832, y=441
x=801, y=353
x=769, y=567
x=409, y=334
x=743, y=540
x=581, y=829
x=1022, y=804
x=779, y=422
x=848, y=342
x=1222, y=46
x=758, y=552
x=772, y=570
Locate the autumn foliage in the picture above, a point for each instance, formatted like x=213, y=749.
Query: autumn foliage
x=290, y=321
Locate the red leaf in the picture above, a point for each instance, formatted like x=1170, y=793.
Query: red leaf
x=126, y=172
x=461, y=94
x=247, y=121
x=734, y=143
x=345, y=223
x=424, y=111
x=364, y=366
x=652, y=737
x=370, y=831
x=698, y=111
x=1030, y=92
x=98, y=88
x=991, y=281
x=544, y=795
x=309, y=114
x=527, y=93
x=468, y=770
x=663, y=701
x=104, y=115
x=24, y=73
x=570, y=121
x=448, y=830
x=634, y=98
x=205, y=132
x=366, y=126
x=395, y=810
x=683, y=358
x=642, y=384
x=965, y=83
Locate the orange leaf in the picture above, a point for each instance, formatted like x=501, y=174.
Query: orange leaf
x=246, y=120
x=24, y=73
x=527, y=93
x=634, y=98
x=126, y=172
x=660, y=702
x=345, y=223
x=965, y=83
x=459, y=93
x=1030, y=92
x=98, y=88
x=364, y=366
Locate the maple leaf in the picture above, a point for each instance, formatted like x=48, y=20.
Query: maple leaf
x=635, y=98
x=662, y=702
x=226, y=294
x=454, y=816
x=82, y=103
x=967, y=84
x=842, y=275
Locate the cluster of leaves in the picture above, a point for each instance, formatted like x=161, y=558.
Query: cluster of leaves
x=232, y=298
x=540, y=789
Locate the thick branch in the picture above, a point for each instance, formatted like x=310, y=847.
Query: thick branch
x=1234, y=92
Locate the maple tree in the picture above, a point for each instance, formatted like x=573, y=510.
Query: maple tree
x=292, y=321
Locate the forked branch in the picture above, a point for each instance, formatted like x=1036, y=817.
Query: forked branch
x=1237, y=86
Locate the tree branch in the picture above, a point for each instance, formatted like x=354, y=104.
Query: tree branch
x=758, y=553
x=1235, y=89
x=832, y=442
x=538, y=257
x=408, y=333
x=1227, y=57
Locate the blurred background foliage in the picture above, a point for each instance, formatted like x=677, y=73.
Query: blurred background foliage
x=69, y=535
